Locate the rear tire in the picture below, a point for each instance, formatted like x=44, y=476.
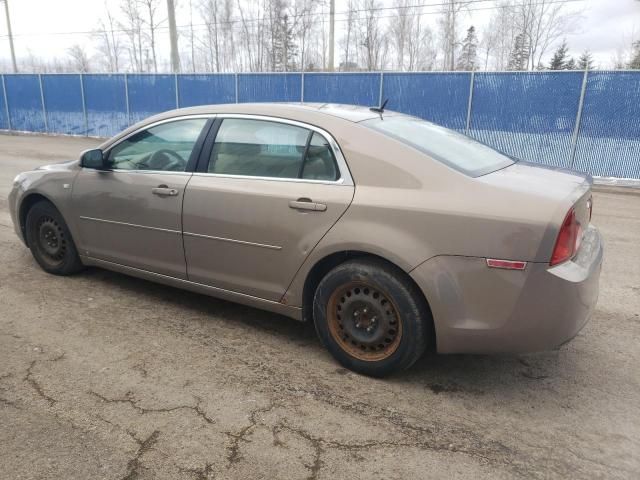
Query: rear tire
x=50, y=241
x=371, y=317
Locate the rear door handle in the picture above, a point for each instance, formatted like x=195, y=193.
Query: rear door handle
x=307, y=204
x=164, y=191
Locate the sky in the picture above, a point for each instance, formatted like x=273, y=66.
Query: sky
x=47, y=28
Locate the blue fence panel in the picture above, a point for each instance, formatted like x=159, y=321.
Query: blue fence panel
x=273, y=87
x=4, y=119
x=105, y=99
x=25, y=102
x=442, y=98
x=531, y=116
x=150, y=94
x=63, y=104
x=206, y=89
x=609, y=141
x=350, y=88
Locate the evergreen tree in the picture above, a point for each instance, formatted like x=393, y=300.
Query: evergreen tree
x=585, y=62
x=519, y=57
x=468, y=54
x=571, y=64
x=559, y=60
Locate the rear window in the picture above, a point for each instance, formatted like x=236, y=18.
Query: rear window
x=460, y=152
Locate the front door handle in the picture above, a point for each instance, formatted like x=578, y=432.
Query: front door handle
x=307, y=204
x=164, y=191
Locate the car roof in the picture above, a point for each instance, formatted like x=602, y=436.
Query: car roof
x=324, y=115
x=293, y=111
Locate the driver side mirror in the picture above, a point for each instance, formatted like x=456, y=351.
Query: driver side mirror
x=94, y=158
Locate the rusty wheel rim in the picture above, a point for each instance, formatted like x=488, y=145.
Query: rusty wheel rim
x=364, y=321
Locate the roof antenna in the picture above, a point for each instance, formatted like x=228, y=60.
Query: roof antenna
x=379, y=109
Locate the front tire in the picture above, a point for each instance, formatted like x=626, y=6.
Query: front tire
x=371, y=317
x=50, y=241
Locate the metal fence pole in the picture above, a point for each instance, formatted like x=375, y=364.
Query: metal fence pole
x=576, y=130
x=175, y=75
x=44, y=107
x=302, y=87
x=84, y=106
x=6, y=103
x=126, y=98
x=381, y=89
x=236, y=74
x=468, y=124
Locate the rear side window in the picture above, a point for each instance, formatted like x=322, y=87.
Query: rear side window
x=447, y=146
x=261, y=148
x=319, y=164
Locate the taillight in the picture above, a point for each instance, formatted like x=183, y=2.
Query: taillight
x=568, y=240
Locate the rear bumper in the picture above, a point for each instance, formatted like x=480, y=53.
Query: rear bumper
x=477, y=309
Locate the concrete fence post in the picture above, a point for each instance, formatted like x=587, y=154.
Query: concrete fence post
x=576, y=129
x=44, y=107
x=6, y=103
x=84, y=106
x=470, y=104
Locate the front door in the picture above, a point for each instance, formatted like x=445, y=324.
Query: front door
x=132, y=214
x=269, y=193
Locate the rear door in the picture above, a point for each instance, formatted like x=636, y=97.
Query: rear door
x=266, y=194
x=132, y=213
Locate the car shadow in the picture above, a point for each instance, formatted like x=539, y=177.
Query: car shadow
x=446, y=374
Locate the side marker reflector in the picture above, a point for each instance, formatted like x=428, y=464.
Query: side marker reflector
x=506, y=264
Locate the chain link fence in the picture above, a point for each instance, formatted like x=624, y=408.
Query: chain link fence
x=589, y=121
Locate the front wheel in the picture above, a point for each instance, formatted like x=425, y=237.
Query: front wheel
x=371, y=317
x=50, y=240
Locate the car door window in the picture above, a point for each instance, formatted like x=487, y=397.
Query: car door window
x=319, y=163
x=165, y=147
x=258, y=148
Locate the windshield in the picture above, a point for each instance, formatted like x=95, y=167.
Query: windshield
x=447, y=146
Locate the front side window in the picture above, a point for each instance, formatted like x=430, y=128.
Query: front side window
x=262, y=148
x=165, y=147
x=447, y=146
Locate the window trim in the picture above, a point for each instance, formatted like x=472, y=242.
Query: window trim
x=195, y=153
x=343, y=169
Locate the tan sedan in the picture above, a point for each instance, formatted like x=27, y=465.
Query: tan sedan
x=388, y=232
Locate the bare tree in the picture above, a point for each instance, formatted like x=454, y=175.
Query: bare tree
x=151, y=20
x=371, y=37
x=209, y=12
x=80, y=59
x=400, y=26
x=109, y=42
x=421, y=49
x=348, y=62
x=132, y=26
x=451, y=12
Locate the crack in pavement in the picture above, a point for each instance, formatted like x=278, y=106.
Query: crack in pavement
x=204, y=473
x=134, y=465
x=234, y=455
x=130, y=399
x=36, y=385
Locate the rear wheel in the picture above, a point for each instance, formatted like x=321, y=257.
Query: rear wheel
x=371, y=317
x=50, y=240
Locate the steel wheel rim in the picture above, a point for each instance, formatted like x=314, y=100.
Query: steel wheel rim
x=51, y=240
x=364, y=321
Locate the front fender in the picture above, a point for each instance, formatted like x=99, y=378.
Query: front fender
x=53, y=185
